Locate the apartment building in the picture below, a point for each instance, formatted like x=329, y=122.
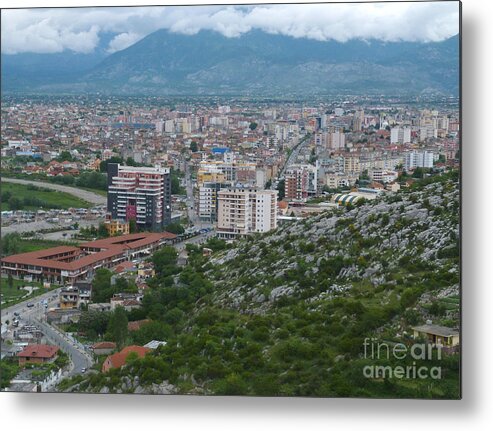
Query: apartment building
x=242, y=211
x=418, y=159
x=352, y=165
x=140, y=193
x=400, y=135
x=208, y=202
x=300, y=182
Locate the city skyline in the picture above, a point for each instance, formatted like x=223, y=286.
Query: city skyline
x=206, y=201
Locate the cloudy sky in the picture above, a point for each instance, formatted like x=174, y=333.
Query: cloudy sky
x=79, y=30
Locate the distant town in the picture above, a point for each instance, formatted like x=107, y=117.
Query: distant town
x=104, y=197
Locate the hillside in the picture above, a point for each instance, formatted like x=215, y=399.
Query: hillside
x=287, y=313
x=257, y=63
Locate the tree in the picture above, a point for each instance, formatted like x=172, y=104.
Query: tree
x=10, y=281
x=6, y=196
x=131, y=357
x=65, y=156
x=15, y=203
x=194, y=147
x=101, y=285
x=93, y=323
x=164, y=261
x=102, y=231
x=280, y=189
x=11, y=244
x=175, y=228
x=131, y=162
x=132, y=225
x=103, y=167
x=118, y=327
x=253, y=125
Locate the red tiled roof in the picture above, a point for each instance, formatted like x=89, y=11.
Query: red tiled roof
x=109, y=248
x=132, y=240
x=118, y=359
x=39, y=351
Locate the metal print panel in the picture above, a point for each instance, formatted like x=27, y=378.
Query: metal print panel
x=258, y=200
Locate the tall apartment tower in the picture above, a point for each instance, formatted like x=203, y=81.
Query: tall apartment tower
x=300, y=182
x=358, y=120
x=400, y=135
x=142, y=194
x=242, y=211
x=208, y=202
x=418, y=159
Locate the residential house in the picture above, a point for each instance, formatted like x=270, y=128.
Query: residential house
x=438, y=335
x=103, y=348
x=117, y=360
x=37, y=354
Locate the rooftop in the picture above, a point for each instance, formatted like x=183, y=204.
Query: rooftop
x=441, y=331
x=108, y=248
x=39, y=351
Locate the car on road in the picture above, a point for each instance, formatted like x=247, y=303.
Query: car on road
x=30, y=305
x=17, y=314
x=83, y=370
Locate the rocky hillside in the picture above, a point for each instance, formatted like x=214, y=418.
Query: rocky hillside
x=287, y=313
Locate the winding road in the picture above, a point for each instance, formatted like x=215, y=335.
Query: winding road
x=35, y=315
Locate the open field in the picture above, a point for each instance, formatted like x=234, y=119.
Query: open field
x=95, y=198
x=14, y=294
x=34, y=197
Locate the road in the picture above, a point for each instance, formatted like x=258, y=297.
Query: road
x=86, y=195
x=292, y=157
x=199, y=239
x=190, y=202
x=37, y=316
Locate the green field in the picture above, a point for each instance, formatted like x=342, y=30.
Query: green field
x=34, y=197
x=14, y=295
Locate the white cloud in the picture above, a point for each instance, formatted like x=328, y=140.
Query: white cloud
x=55, y=30
x=122, y=41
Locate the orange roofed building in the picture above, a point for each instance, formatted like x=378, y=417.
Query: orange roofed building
x=71, y=264
x=117, y=360
x=37, y=354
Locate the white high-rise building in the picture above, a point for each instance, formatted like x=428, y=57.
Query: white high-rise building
x=159, y=127
x=400, y=135
x=418, y=159
x=337, y=140
x=169, y=126
x=242, y=211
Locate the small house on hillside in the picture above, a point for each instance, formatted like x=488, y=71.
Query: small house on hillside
x=438, y=335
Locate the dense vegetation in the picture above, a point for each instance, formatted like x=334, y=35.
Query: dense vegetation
x=287, y=313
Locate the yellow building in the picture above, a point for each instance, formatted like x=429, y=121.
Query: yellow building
x=117, y=227
x=210, y=176
x=69, y=298
x=438, y=335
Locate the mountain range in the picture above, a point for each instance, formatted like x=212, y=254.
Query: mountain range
x=254, y=64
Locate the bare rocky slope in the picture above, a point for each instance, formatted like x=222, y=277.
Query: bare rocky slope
x=287, y=313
